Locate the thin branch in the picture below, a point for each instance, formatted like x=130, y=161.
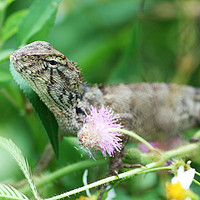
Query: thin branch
x=150, y=167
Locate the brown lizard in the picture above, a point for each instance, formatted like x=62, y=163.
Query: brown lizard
x=156, y=111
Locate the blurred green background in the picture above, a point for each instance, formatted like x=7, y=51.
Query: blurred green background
x=113, y=41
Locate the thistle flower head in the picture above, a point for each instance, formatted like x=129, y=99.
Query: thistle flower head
x=96, y=133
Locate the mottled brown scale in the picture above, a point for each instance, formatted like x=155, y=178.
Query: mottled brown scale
x=156, y=111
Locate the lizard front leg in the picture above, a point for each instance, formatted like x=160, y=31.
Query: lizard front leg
x=116, y=161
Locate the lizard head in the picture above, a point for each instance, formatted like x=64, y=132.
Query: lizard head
x=48, y=72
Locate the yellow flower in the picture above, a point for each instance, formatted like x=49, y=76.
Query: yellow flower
x=175, y=191
x=93, y=197
x=178, y=189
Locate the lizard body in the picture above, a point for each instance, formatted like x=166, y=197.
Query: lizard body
x=154, y=111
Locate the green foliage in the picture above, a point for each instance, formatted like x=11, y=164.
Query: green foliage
x=22, y=163
x=5, y=77
x=8, y=2
x=45, y=115
x=4, y=55
x=8, y=192
x=42, y=13
x=113, y=41
x=11, y=26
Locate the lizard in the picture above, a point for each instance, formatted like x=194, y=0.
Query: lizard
x=155, y=111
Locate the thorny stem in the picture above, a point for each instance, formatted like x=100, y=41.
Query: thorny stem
x=150, y=167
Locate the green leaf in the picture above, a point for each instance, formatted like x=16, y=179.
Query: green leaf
x=5, y=77
x=8, y=192
x=8, y=2
x=5, y=3
x=39, y=15
x=46, y=116
x=11, y=24
x=43, y=33
x=16, y=153
x=5, y=54
x=123, y=71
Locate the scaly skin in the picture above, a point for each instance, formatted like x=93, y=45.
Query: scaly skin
x=152, y=110
x=155, y=111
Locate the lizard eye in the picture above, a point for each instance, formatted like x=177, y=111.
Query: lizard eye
x=53, y=62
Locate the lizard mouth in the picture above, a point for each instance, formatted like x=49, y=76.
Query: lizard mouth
x=12, y=58
x=13, y=61
x=16, y=63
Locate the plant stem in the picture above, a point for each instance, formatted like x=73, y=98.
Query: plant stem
x=150, y=167
x=137, y=137
x=155, y=169
x=197, y=173
x=183, y=150
x=39, y=182
x=197, y=182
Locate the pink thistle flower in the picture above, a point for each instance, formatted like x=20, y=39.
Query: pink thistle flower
x=96, y=132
